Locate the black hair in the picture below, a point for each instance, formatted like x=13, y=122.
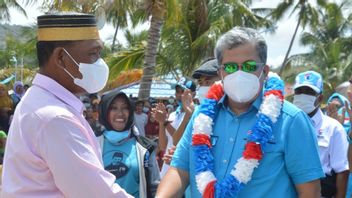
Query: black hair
x=139, y=102
x=104, y=109
x=46, y=48
x=117, y=154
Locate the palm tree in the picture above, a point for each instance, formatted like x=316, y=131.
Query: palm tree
x=194, y=37
x=307, y=14
x=157, y=10
x=117, y=14
x=5, y=6
x=87, y=6
x=331, y=43
x=129, y=57
x=186, y=39
x=190, y=37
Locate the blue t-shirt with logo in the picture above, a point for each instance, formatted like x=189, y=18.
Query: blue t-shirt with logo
x=121, y=160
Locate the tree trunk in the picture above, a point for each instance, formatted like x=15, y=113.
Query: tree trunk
x=150, y=58
x=291, y=43
x=114, y=39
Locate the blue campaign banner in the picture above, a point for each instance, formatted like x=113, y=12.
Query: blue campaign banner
x=7, y=80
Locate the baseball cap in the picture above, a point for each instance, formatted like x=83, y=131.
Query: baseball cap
x=207, y=68
x=310, y=79
x=185, y=83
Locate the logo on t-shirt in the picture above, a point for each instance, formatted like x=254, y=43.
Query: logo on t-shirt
x=117, y=167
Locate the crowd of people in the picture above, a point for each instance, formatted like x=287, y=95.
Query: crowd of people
x=227, y=131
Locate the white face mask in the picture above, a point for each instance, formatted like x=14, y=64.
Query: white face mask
x=171, y=101
x=305, y=102
x=94, y=75
x=202, y=92
x=145, y=109
x=241, y=86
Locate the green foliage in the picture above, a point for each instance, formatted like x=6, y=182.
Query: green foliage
x=86, y=6
x=125, y=60
x=330, y=41
x=5, y=6
x=23, y=47
x=187, y=43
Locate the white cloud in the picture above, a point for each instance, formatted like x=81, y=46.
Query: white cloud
x=278, y=42
x=275, y=62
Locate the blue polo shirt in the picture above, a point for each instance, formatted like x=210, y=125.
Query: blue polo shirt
x=290, y=158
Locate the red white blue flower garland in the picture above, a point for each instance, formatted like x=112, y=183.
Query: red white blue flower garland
x=257, y=139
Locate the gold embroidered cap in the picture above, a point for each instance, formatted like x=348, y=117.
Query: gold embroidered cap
x=67, y=27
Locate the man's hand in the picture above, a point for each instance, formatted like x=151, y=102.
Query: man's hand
x=332, y=111
x=168, y=156
x=187, y=102
x=159, y=113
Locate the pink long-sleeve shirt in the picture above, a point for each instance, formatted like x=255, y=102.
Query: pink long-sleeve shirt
x=51, y=150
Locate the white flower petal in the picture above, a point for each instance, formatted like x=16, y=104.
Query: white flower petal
x=203, y=179
x=203, y=124
x=271, y=107
x=243, y=169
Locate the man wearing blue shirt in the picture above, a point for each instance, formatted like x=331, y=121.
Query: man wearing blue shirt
x=290, y=166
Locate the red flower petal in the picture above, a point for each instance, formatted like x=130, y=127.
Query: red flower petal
x=216, y=91
x=209, y=190
x=276, y=93
x=253, y=151
x=199, y=139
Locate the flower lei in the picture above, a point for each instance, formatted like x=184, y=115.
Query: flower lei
x=257, y=139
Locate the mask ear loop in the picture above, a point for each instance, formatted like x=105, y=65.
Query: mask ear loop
x=73, y=61
x=221, y=76
x=261, y=73
x=316, y=98
x=71, y=57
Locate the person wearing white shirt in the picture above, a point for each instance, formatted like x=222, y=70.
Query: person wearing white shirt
x=169, y=127
x=141, y=119
x=331, y=136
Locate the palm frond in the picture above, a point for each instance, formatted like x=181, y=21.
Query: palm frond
x=281, y=9
x=125, y=60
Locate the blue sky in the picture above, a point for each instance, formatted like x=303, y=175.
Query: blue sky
x=277, y=42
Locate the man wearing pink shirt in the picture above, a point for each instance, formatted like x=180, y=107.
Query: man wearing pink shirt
x=51, y=150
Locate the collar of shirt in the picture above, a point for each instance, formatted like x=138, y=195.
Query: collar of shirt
x=256, y=104
x=59, y=91
x=317, y=118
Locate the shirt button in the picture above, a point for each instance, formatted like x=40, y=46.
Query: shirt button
x=231, y=140
x=225, y=161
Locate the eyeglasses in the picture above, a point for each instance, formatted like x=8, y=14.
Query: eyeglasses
x=248, y=66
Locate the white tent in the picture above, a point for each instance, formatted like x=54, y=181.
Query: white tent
x=161, y=87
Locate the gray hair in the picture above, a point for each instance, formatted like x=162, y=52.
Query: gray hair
x=238, y=36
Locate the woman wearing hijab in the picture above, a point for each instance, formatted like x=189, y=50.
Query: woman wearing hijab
x=18, y=92
x=5, y=99
x=130, y=157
